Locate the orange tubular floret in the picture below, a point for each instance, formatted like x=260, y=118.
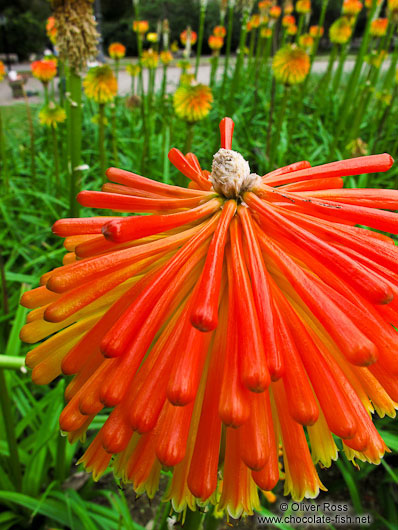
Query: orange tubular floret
x=338, y=411
x=173, y=433
x=109, y=187
x=190, y=171
x=92, y=339
x=267, y=477
x=342, y=168
x=205, y=313
x=226, y=131
x=127, y=203
x=296, y=166
x=76, y=299
x=364, y=280
x=364, y=241
x=234, y=404
x=70, y=276
x=129, y=228
x=202, y=477
x=38, y=297
x=301, y=478
x=142, y=183
x=302, y=404
x=188, y=366
x=255, y=375
x=370, y=198
x=379, y=219
x=353, y=343
x=262, y=295
x=126, y=327
x=315, y=184
x=80, y=226
x=254, y=435
x=151, y=380
x=155, y=316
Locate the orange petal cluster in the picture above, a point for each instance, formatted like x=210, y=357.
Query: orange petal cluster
x=43, y=70
x=222, y=327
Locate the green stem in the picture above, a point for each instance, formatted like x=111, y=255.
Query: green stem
x=251, y=47
x=45, y=85
x=101, y=139
x=239, y=59
x=340, y=67
x=164, y=82
x=114, y=134
x=321, y=22
x=166, y=148
x=228, y=48
x=3, y=155
x=5, y=404
x=200, y=36
x=270, y=117
x=281, y=116
x=56, y=159
x=213, y=72
x=31, y=134
x=300, y=27
x=75, y=84
x=11, y=362
x=353, y=81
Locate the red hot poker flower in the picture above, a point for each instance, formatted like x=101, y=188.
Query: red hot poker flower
x=246, y=308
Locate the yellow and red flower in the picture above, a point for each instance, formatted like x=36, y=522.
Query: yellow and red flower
x=288, y=20
x=166, y=57
x=244, y=313
x=215, y=43
x=275, y=12
x=264, y=5
x=133, y=69
x=290, y=65
x=192, y=102
x=184, y=36
x=140, y=26
x=291, y=29
x=288, y=7
x=352, y=7
x=316, y=31
x=392, y=6
x=266, y=33
x=44, y=70
x=150, y=58
x=219, y=31
x=51, y=29
x=117, y=50
x=340, y=31
x=306, y=41
x=100, y=84
x=255, y=21
x=378, y=27
x=52, y=114
x=303, y=7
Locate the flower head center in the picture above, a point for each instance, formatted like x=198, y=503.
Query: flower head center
x=231, y=175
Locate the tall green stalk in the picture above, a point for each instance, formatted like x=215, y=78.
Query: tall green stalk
x=279, y=123
x=56, y=159
x=75, y=84
x=340, y=67
x=354, y=78
x=239, y=59
x=101, y=138
x=31, y=136
x=3, y=155
x=231, y=6
x=203, y=5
